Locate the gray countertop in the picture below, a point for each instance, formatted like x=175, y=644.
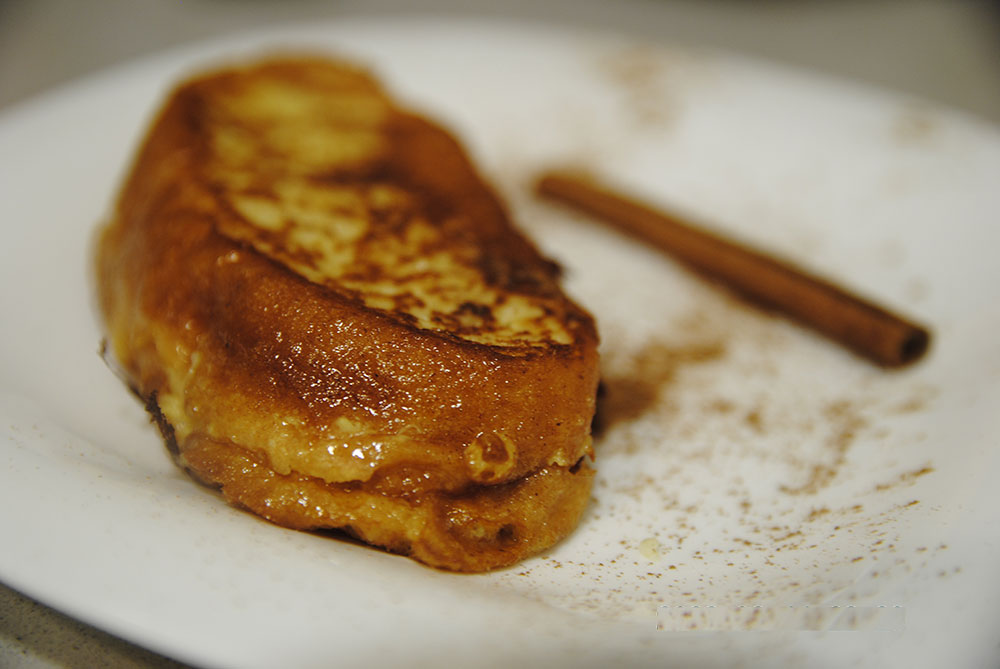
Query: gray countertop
x=945, y=51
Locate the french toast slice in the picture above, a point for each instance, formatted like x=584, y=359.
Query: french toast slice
x=332, y=319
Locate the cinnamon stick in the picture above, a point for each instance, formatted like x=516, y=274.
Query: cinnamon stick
x=867, y=329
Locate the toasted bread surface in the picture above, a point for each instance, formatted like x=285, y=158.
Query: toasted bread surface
x=334, y=321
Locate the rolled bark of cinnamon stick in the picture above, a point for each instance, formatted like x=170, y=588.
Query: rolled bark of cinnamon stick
x=866, y=328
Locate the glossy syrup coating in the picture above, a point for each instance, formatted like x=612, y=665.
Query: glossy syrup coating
x=333, y=320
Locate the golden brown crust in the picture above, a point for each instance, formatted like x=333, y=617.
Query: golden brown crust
x=350, y=324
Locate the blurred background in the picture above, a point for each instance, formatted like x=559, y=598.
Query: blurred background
x=947, y=51
x=944, y=51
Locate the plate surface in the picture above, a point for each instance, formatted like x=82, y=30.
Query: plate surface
x=751, y=476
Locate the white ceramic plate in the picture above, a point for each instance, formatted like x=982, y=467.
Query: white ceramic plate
x=745, y=465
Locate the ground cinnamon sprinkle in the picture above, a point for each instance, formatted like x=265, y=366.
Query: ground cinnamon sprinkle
x=847, y=421
x=728, y=472
x=641, y=80
x=636, y=387
x=904, y=478
x=764, y=469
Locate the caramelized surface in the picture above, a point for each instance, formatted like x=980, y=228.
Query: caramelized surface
x=335, y=322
